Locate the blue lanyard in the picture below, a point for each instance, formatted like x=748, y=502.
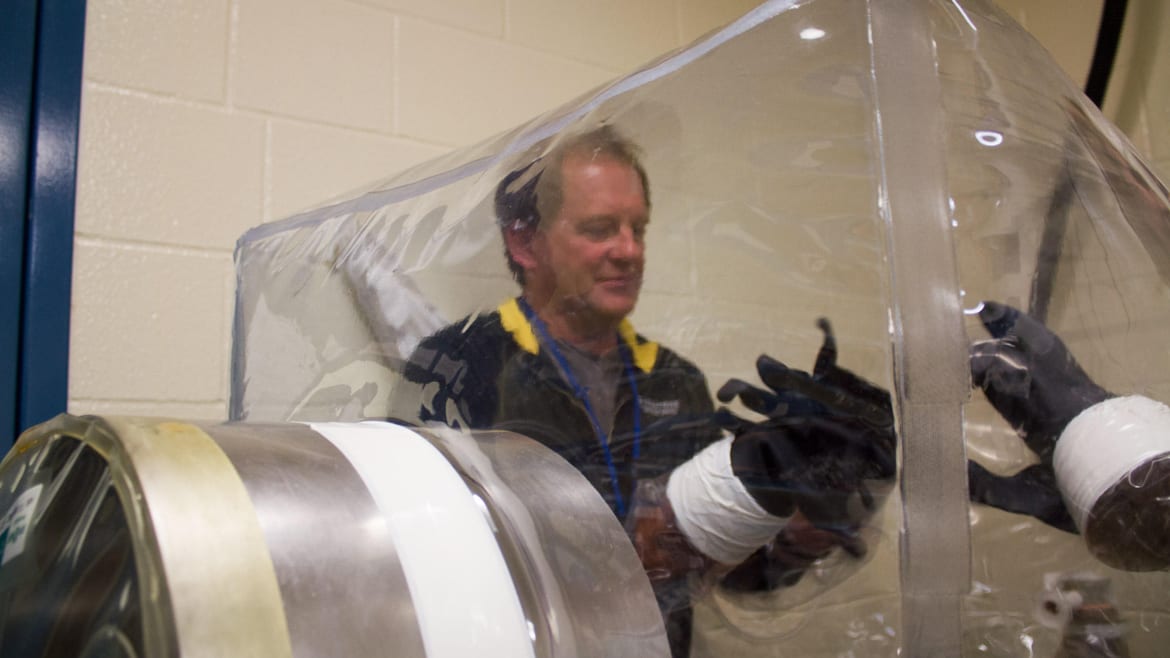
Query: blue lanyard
x=583, y=395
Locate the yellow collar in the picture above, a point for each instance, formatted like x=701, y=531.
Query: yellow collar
x=514, y=322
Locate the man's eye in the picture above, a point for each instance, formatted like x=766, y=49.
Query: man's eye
x=596, y=230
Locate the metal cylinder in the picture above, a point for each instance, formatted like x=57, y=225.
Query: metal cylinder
x=148, y=537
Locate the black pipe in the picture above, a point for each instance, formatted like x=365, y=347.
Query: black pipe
x=1105, y=52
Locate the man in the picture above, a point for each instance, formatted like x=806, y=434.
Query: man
x=562, y=364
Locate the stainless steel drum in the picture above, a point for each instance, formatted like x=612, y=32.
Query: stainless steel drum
x=146, y=537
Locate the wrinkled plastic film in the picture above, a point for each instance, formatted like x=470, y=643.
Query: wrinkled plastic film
x=1054, y=214
x=808, y=161
x=334, y=303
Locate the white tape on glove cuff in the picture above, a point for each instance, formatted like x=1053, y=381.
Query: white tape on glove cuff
x=1103, y=444
x=714, y=510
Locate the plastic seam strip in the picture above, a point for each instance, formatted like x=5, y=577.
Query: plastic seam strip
x=929, y=341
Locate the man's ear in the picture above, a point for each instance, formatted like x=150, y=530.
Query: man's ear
x=519, y=241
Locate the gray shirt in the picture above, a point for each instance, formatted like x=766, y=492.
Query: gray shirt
x=599, y=376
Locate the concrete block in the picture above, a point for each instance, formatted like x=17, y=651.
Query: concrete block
x=167, y=172
x=173, y=48
x=456, y=88
x=323, y=60
x=179, y=410
x=612, y=33
x=483, y=16
x=148, y=324
x=310, y=164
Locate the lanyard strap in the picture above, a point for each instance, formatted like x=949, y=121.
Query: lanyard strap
x=583, y=395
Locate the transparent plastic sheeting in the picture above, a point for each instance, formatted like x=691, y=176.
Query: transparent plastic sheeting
x=781, y=155
x=130, y=537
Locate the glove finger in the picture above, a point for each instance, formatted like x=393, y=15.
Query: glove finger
x=827, y=371
x=999, y=319
x=866, y=495
x=797, y=388
x=794, y=384
x=827, y=356
x=1001, y=370
x=780, y=377
x=725, y=419
x=730, y=389
x=802, y=395
x=855, y=545
x=1032, y=491
x=756, y=399
x=847, y=537
x=984, y=355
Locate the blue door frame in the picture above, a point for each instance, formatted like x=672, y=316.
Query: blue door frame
x=41, y=48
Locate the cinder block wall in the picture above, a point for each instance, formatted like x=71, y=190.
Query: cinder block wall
x=202, y=118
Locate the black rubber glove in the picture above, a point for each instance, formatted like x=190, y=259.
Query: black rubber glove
x=1030, y=377
x=1034, y=382
x=825, y=433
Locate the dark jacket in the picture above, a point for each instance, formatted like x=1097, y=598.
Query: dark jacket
x=490, y=372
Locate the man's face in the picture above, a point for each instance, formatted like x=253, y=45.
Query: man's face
x=591, y=254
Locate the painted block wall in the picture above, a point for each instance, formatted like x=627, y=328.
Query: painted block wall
x=1138, y=98
x=203, y=118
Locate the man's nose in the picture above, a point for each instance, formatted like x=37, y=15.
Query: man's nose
x=627, y=245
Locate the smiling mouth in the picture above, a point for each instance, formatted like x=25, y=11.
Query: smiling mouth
x=622, y=282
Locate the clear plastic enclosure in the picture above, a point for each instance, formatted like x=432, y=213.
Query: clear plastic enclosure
x=886, y=166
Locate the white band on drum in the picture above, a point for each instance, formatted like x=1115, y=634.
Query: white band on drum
x=459, y=583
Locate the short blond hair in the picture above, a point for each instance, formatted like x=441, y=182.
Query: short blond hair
x=535, y=191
